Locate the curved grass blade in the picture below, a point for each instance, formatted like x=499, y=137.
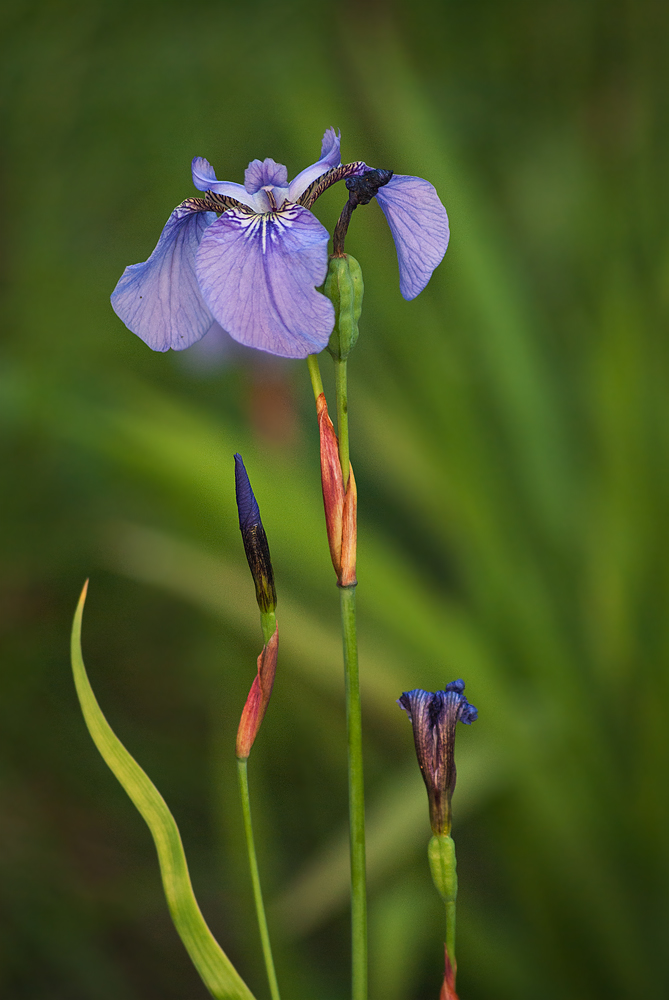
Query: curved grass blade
x=219, y=975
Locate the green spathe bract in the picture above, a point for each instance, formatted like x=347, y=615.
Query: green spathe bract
x=344, y=287
x=217, y=972
x=441, y=855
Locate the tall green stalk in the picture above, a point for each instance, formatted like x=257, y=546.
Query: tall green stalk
x=356, y=796
x=242, y=771
x=356, y=790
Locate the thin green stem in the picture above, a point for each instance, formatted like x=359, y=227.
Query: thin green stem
x=356, y=793
x=242, y=771
x=341, y=384
x=450, y=933
x=315, y=375
x=356, y=785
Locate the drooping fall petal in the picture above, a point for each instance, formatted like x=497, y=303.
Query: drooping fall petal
x=258, y=275
x=419, y=225
x=160, y=300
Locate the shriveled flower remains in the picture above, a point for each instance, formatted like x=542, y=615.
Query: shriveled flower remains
x=250, y=256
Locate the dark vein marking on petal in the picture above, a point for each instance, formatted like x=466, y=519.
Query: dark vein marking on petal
x=326, y=180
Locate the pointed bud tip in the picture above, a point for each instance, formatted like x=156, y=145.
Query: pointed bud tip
x=255, y=539
x=247, y=506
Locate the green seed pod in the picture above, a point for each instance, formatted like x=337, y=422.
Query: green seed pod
x=344, y=287
x=441, y=855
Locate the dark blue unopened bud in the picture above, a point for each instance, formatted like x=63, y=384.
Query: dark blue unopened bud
x=364, y=187
x=255, y=539
x=434, y=716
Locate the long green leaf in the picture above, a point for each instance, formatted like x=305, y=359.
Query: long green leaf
x=219, y=975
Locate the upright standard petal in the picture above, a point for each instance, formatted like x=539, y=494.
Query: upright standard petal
x=265, y=173
x=258, y=275
x=204, y=179
x=330, y=157
x=160, y=300
x=419, y=225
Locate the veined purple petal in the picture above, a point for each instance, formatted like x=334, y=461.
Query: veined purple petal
x=330, y=146
x=265, y=173
x=203, y=173
x=160, y=300
x=419, y=225
x=258, y=274
x=330, y=157
x=204, y=179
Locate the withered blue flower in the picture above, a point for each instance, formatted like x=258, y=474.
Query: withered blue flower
x=433, y=717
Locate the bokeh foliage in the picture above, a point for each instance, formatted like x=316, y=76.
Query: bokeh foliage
x=509, y=436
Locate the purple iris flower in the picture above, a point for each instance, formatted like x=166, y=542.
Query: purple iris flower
x=250, y=256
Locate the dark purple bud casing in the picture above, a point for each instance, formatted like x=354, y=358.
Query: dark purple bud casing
x=255, y=539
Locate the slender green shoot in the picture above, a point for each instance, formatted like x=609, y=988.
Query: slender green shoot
x=356, y=792
x=242, y=771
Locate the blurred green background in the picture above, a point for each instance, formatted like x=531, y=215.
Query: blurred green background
x=509, y=436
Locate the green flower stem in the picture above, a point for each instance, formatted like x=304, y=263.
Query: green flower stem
x=356, y=794
x=450, y=932
x=356, y=788
x=315, y=375
x=268, y=624
x=356, y=784
x=242, y=771
x=341, y=384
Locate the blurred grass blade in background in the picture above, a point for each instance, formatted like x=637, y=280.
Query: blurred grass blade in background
x=219, y=975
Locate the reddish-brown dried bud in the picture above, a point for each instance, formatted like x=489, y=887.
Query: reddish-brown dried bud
x=258, y=699
x=341, y=506
x=349, y=534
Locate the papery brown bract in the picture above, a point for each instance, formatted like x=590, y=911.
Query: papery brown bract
x=256, y=704
x=349, y=534
x=341, y=506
